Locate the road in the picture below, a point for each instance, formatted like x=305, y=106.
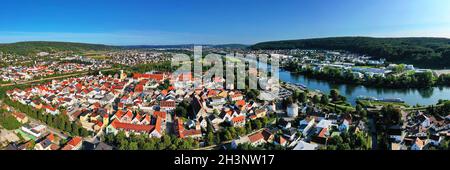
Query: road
x=373, y=133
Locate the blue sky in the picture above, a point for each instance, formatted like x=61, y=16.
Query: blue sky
x=132, y=22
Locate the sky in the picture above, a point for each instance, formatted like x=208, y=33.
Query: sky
x=162, y=22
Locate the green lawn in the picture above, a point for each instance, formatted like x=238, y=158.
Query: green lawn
x=379, y=103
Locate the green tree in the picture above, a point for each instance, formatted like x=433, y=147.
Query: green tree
x=316, y=99
x=324, y=100
x=334, y=94
x=133, y=146
x=301, y=97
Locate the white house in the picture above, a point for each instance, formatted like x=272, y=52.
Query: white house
x=305, y=146
x=292, y=110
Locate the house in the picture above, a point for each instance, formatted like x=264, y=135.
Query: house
x=22, y=118
x=424, y=121
x=182, y=133
x=51, y=110
x=238, y=121
x=418, y=144
x=305, y=146
x=284, y=124
x=396, y=133
x=435, y=140
x=344, y=126
x=261, y=137
x=161, y=115
x=236, y=97
x=306, y=124
x=292, y=110
x=260, y=113
x=280, y=140
x=35, y=131
x=43, y=145
x=217, y=100
x=290, y=133
x=203, y=122
x=74, y=144
x=116, y=126
x=321, y=137
x=157, y=131
x=192, y=133
x=167, y=105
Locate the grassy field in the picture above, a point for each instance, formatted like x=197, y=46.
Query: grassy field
x=379, y=103
x=96, y=55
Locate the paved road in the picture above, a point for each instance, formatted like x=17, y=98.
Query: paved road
x=373, y=133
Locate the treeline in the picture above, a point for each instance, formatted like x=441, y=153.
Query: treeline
x=442, y=110
x=161, y=66
x=60, y=121
x=34, y=47
x=423, y=52
x=425, y=79
x=144, y=142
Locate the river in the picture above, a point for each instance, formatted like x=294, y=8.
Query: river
x=411, y=96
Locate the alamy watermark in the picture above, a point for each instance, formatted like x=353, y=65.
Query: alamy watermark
x=230, y=71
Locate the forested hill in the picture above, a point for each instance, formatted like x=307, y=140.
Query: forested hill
x=423, y=52
x=33, y=47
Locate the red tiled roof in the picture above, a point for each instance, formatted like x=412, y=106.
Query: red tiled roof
x=158, y=125
x=238, y=119
x=167, y=103
x=240, y=103
x=191, y=132
x=119, y=114
x=160, y=114
x=322, y=132
x=256, y=137
x=75, y=141
x=128, y=126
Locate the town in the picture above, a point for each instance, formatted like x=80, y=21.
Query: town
x=157, y=110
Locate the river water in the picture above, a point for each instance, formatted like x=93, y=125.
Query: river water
x=411, y=96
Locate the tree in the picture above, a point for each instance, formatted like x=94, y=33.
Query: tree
x=358, y=108
x=49, y=120
x=334, y=94
x=166, y=141
x=68, y=126
x=181, y=111
x=324, y=100
x=301, y=97
x=123, y=144
x=227, y=135
x=391, y=115
x=133, y=146
x=248, y=127
x=75, y=131
x=210, y=138
x=83, y=132
x=316, y=99
x=149, y=145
